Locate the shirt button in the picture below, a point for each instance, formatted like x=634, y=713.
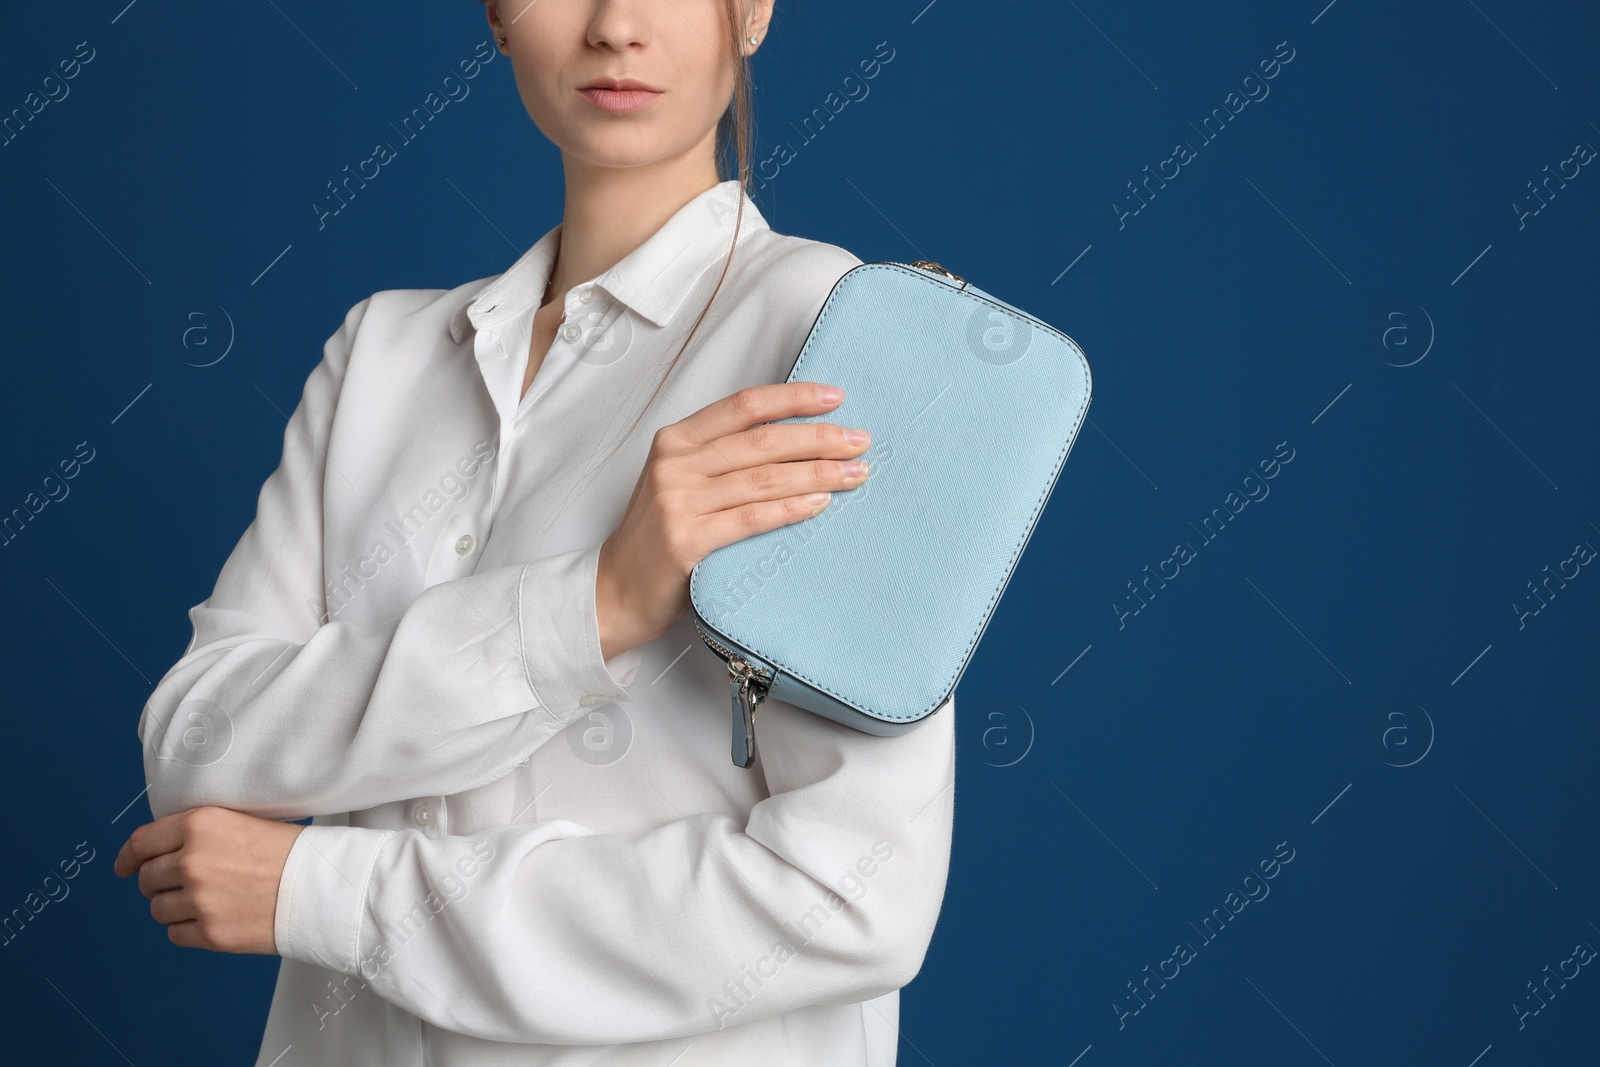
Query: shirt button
x=571, y=331
x=464, y=544
x=591, y=701
x=586, y=296
x=423, y=814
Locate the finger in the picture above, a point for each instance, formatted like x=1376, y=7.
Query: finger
x=780, y=442
x=748, y=407
x=150, y=840
x=775, y=481
x=173, y=906
x=187, y=934
x=160, y=874
x=747, y=520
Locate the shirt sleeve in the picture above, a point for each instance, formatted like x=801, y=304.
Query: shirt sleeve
x=273, y=712
x=545, y=932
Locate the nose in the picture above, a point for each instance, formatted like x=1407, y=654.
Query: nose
x=616, y=24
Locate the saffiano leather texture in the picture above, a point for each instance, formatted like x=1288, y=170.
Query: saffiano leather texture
x=869, y=612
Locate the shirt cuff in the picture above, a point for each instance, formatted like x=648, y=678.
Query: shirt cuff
x=322, y=894
x=561, y=637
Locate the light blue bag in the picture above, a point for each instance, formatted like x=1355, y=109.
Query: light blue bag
x=868, y=612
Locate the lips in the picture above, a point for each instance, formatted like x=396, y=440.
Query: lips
x=619, y=101
x=619, y=95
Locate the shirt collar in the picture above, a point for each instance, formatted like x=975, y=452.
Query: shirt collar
x=652, y=280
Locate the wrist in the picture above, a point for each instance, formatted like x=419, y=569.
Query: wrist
x=617, y=635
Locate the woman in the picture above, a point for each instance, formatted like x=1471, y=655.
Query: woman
x=456, y=636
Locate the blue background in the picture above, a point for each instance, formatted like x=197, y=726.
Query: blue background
x=1341, y=671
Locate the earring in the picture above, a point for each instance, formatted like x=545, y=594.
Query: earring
x=501, y=41
x=753, y=39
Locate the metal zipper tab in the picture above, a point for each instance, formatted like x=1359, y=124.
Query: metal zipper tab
x=930, y=267
x=748, y=685
x=748, y=693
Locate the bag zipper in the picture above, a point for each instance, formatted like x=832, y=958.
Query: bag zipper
x=932, y=268
x=748, y=685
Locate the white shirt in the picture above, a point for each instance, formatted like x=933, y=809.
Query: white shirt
x=523, y=853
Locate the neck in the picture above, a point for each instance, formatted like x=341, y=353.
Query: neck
x=610, y=211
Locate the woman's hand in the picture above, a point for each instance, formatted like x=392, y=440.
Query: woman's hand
x=212, y=876
x=711, y=479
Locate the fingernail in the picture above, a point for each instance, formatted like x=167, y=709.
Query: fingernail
x=817, y=500
x=857, y=437
x=831, y=393
x=854, y=469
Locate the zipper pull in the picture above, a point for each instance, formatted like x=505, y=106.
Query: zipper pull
x=934, y=268
x=747, y=696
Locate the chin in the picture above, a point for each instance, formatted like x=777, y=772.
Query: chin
x=616, y=148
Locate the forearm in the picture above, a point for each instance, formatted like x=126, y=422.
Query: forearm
x=461, y=688
x=547, y=933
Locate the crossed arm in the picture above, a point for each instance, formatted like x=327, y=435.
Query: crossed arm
x=833, y=885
